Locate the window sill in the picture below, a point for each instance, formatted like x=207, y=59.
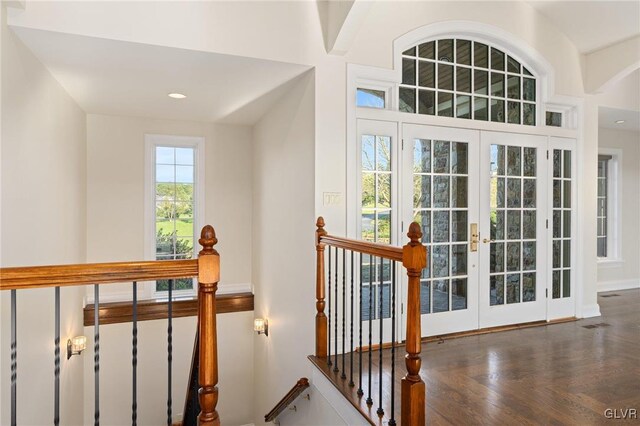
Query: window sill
x=121, y=312
x=607, y=263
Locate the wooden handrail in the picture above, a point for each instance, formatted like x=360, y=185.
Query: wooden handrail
x=95, y=273
x=206, y=268
x=414, y=259
x=364, y=247
x=291, y=396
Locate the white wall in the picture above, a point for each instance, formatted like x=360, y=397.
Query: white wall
x=283, y=248
x=115, y=231
x=235, y=366
x=115, y=190
x=43, y=222
x=628, y=273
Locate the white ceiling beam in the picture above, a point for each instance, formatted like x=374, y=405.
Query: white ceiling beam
x=605, y=67
x=341, y=21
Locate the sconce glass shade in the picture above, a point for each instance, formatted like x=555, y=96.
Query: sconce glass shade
x=76, y=345
x=261, y=326
x=79, y=343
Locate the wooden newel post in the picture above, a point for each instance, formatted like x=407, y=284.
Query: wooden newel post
x=208, y=277
x=321, y=318
x=414, y=259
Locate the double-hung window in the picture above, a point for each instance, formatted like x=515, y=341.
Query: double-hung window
x=175, y=200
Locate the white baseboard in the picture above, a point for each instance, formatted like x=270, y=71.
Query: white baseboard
x=591, y=311
x=618, y=285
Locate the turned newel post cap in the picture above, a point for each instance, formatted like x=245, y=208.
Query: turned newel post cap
x=415, y=232
x=208, y=240
x=320, y=232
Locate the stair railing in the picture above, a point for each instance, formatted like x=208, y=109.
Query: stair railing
x=206, y=268
x=354, y=276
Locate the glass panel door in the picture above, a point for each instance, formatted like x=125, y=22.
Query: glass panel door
x=512, y=191
x=440, y=184
x=561, y=173
x=378, y=193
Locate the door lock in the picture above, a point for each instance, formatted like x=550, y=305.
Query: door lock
x=475, y=237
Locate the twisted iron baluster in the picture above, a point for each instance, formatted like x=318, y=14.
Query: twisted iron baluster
x=380, y=411
x=56, y=368
x=134, y=358
x=351, y=383
x=360, y=391
x=392, y=421
x=344, y=310
x=96, y=354
x=369, y=400
x=169, y=351
x=14, y=360
x=335, y=322
x=329, y=316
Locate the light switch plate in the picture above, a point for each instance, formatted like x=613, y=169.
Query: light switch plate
x=332, y=198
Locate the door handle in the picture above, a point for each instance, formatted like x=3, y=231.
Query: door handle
x=486, y=240
x=475, y=236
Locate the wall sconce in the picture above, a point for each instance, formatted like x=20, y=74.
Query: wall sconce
x=76, y=345
x=261, y=326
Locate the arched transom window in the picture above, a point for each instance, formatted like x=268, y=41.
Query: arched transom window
x=467, y=79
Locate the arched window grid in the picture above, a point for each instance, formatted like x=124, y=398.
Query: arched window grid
x=467, y=79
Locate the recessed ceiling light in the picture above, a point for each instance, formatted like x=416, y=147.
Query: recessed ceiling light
x=177, y=95
x=619, y=121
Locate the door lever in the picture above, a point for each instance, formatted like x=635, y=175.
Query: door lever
x=486, y=240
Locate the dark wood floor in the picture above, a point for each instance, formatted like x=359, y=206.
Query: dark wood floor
x=558, y=374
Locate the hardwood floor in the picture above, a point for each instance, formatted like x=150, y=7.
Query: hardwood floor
x=558, y=374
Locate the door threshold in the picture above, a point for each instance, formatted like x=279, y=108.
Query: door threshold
x=497, y=329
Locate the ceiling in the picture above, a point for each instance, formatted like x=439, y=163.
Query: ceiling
x=132, y=79
x=607, y=118
x=592, y=25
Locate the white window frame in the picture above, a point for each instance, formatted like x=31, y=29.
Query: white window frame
x=151, y=142
x=614, y=209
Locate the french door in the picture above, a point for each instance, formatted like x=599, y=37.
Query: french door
x=512, y=228
x=440, y=183
x=480, y=198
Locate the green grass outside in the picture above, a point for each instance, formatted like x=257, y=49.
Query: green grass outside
x=183, y=226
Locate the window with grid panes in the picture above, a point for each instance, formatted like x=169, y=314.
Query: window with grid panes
x=603, y=201
x=467, y=79
x=174, y=215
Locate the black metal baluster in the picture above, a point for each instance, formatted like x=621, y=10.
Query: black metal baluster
x=169, y=350
x=380, y=411
x=360, y=391
x=134, y=358
x=351, y=328
x=329, y=316
x=369, y=400
x=14, y=360
x=335, y=322
x=392, y=420
x=344, y=310
x=96, y=354
x=56, y=368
